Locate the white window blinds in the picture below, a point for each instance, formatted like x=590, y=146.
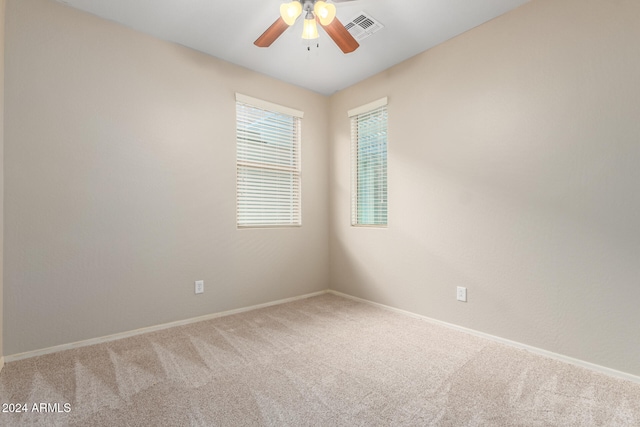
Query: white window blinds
x=268, y=164
x=369, y=164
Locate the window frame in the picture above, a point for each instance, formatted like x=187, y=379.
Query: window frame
x=364, y=112
x=262, y=166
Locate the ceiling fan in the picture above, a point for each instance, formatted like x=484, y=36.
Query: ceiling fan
x=316, y=11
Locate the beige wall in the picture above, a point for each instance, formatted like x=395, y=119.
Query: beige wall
x=514, y=155
x=120, y=183
x=2, y=13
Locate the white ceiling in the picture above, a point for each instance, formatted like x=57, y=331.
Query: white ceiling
x=226, y=29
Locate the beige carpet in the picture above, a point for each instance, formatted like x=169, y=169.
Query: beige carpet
x=323, y=361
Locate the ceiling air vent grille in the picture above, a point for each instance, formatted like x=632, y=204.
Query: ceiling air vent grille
x=363, y=26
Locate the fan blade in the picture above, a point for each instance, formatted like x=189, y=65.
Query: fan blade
x=340, y=35
x=272, y=33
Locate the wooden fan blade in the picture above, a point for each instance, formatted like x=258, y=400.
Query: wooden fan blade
x=272, y=33
x=340, y=35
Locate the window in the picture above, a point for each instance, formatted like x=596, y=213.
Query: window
x=369, y=164
x=267, y=164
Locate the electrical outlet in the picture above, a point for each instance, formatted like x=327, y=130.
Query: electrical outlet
x=461, y=294
x=199, y=286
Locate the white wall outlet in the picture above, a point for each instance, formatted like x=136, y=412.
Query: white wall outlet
x=461, y=294
x=199, y=286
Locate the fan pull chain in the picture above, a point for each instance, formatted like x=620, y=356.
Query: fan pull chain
x=309, y=47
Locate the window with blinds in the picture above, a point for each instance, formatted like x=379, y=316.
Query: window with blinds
x=369, y=164
x=268, y=164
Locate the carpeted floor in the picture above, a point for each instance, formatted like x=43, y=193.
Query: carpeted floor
x=322, y=361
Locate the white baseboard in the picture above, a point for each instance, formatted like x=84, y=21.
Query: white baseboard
x=531, y=349
x=100, y=340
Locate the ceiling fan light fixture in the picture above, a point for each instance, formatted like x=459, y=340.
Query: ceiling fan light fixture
x=316, y=11
x=325, y=12
x=290, y=11
x=310, y=30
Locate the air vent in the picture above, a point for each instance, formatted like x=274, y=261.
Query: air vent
x=363, y=26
